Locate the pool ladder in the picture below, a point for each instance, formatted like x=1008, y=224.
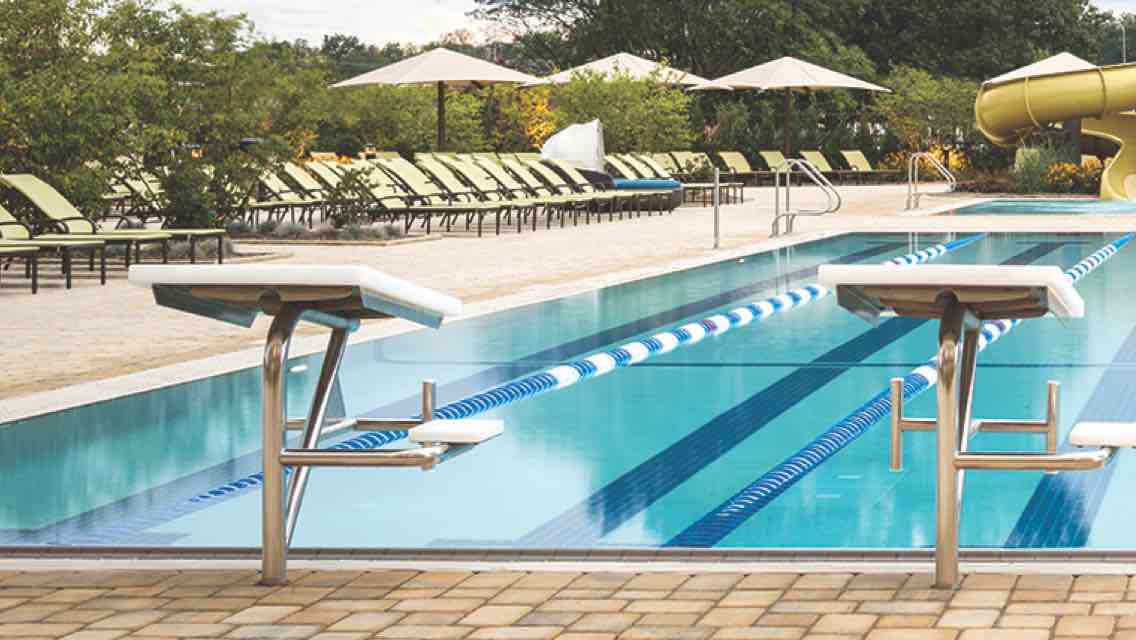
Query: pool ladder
x=913, y=193
x=817, y=177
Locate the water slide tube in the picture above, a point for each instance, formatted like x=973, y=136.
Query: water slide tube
x=1102, y=97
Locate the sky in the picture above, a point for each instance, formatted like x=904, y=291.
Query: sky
x=382, y=21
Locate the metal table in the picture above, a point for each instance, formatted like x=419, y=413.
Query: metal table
x=961, y=297
x=337, y=297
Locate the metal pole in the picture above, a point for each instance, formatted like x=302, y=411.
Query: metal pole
x=947, y=436
x=788, y=137
x=274, y=545
x=717, y=196
x=336, y=345
x=441, y=116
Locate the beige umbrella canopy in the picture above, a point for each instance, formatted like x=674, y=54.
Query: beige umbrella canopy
x=632, y=65
x=443, y=68
x=789, y=73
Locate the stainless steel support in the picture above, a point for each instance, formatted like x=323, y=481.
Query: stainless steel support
x=955, y=356
x=273, y=539
x=900, y=423
x=333, y=357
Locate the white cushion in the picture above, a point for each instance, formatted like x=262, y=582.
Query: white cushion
x=1104, y=434
x=1063, y=299
x=370, y=281
x=457, y=431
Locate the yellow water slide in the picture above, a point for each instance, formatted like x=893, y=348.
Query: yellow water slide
x=1102, y=97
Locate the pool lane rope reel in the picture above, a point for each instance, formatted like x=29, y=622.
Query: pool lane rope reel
x=716, y=525
x=605, y=362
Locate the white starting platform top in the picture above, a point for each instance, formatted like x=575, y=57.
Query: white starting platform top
x=988, y=291
x=237, y=293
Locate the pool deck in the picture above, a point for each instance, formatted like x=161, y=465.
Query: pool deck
x=350, y=603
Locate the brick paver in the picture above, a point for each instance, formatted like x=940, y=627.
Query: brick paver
x=357, y=605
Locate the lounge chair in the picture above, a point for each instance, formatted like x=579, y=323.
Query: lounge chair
x=527, y=156
x=60, y=215
x=286, y=200
x=16, y=235
x=517, y=197
x=30, y=254
x=429, y=198
x=774, y=160
x=620, y=168
x=821, y=162
x=740, y=169
x=859, y=162
x=643, y=199
x=544, y=181
x=692, y=161
x=574, y=202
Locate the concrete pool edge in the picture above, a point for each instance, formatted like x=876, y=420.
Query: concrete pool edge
x=795, y=560
x=74, y=396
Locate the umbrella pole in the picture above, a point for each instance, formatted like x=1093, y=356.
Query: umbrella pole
x=441, y=116
x=788, y=130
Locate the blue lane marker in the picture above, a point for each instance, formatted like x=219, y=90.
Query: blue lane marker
x=124, y=519
x=726, y=517
x=1061, y=511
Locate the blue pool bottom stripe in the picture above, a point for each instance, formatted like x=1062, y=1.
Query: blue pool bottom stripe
x=1061, y=511
x=719, y=522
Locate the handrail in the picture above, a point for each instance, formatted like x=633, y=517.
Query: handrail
x=814, y=174
x=913, y=194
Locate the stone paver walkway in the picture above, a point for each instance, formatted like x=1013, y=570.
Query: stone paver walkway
x=346, y=605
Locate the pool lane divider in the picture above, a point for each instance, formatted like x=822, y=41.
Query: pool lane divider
x=713, y=527
x=632, y=353
x=635, y=490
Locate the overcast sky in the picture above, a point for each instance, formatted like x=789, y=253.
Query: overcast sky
x=381, y=21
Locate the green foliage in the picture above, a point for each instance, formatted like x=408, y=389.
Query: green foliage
x=732, y=129
x=637, y=115
x=349, y=202
x=1030, y=175
x=925, y=111
x=186, y=198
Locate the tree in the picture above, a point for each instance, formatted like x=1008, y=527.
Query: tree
x=637, y=115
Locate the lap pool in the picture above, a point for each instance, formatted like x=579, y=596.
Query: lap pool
x=640, y=458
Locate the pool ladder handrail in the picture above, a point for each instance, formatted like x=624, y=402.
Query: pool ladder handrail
x=814, y=174
x=913, y=193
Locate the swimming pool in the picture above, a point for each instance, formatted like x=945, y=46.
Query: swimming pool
x=637, y=458
x=1081, y=206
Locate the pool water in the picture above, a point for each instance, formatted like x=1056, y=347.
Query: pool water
x=1083, y=206
x=630, y=459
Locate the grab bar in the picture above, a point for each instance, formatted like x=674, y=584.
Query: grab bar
x=913, y=193
x=814, y=174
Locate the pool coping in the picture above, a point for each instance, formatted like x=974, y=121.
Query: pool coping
x=87, y=393
x=745, y=560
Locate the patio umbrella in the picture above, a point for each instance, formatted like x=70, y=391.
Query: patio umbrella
x=632, y=65
x=443, y=68
x=789, y=74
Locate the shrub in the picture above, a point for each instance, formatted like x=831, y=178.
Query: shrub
x=290, y=230
x=637, y=115
x=349, y=202
x=206, y=250
x=239, y=229
x=266, y=228
x=1066, y=177
x=987, y=183
x=1032, y=170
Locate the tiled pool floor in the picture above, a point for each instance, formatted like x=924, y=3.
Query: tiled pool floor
x=354, y=604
